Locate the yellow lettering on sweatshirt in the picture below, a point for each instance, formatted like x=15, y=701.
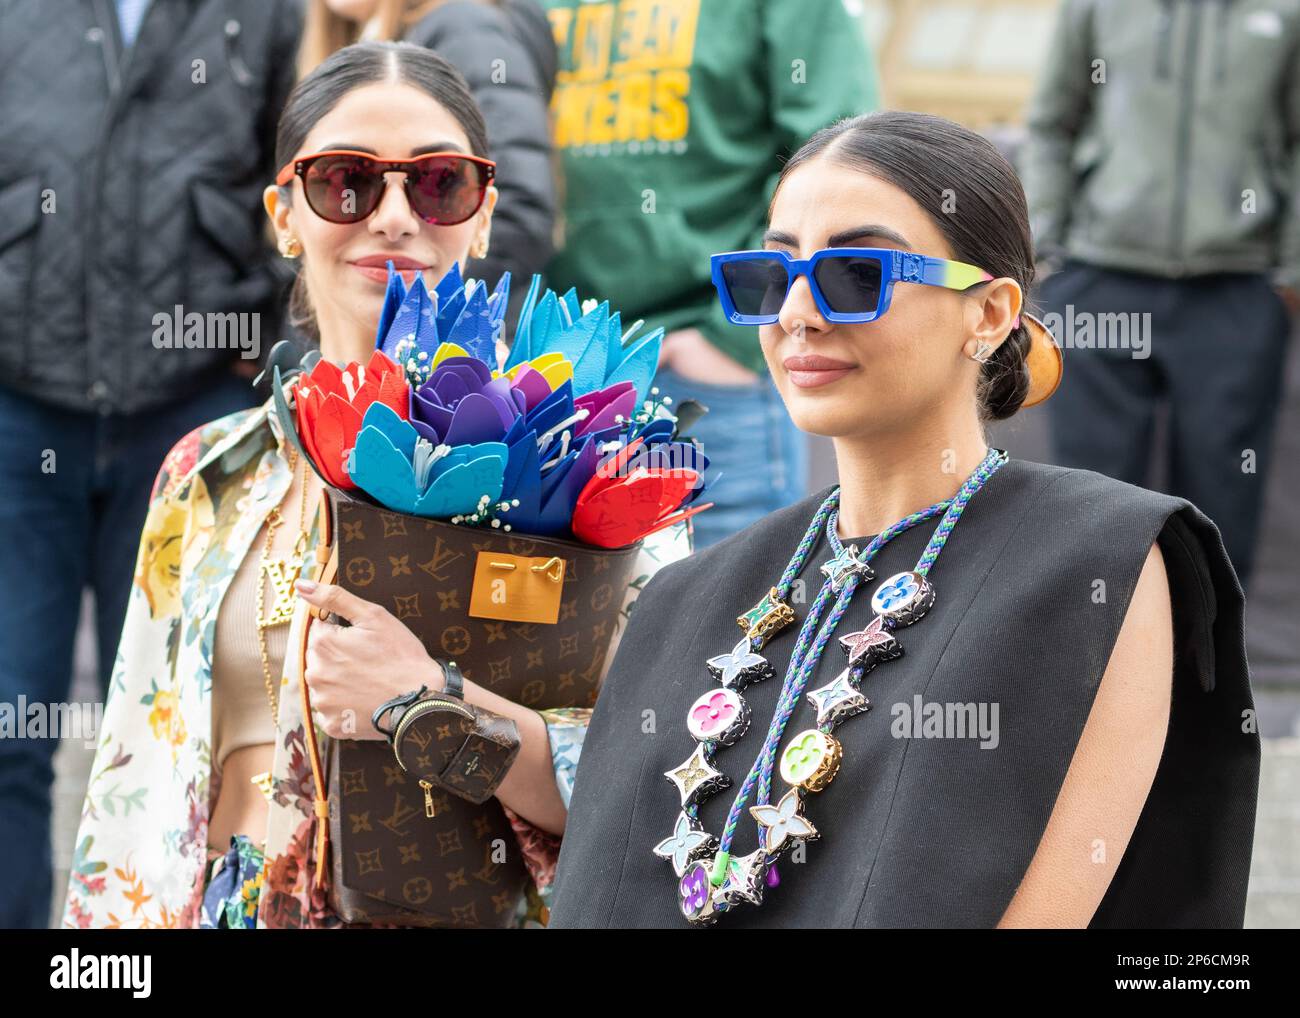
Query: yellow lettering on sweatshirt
x=625, y=71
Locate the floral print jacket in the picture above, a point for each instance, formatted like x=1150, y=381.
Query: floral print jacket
x=142, y=844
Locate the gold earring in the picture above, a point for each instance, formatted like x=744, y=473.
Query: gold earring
x=481, y=249
x=290, y=247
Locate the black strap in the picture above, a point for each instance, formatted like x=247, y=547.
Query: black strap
x=403, y=701
x=454, y=686
x=455, y=681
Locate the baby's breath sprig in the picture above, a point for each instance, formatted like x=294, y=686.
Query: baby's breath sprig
x=652, y=410
x=414, y=362
x=488, y=513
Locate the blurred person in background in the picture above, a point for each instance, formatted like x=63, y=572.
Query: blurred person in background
x=1163, y=172
x=673, y=118
x=505, y=51
x=135, y=139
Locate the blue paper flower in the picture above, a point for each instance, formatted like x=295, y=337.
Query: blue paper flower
x=593, y=340
x=405, y=472
x=414, y=323
x=515, y=446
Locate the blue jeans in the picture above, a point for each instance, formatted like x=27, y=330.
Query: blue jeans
x=761, y=457
x=63, y=529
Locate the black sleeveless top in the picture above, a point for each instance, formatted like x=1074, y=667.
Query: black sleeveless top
x=1031, y=590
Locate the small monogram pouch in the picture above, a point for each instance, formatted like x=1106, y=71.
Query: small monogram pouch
x=454, y=745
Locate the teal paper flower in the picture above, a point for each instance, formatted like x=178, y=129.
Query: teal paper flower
x=405, y=472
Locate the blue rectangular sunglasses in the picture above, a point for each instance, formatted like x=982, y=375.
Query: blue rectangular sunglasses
x=848, y=284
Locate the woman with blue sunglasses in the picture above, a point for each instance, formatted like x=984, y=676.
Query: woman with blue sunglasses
x=954, y=689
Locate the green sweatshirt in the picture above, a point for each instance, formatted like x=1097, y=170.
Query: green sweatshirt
x=672, y=118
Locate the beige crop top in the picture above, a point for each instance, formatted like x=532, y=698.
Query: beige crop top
x=241, y=713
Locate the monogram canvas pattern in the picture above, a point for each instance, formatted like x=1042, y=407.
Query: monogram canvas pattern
x=468, y=757
x=461, y=867
x=423, y=570
x=140, y=858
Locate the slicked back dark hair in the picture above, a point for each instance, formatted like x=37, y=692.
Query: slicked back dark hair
x=352, y=67
x=939, y=163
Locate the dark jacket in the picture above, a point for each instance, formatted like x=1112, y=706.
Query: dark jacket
x=507, y=54
x=919, y=831
x=1165, y=137
x=130, y=182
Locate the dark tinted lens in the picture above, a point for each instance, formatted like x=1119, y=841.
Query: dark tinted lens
x=850, y=285
x=342, y=189
x=757, y=285
x=447, y=190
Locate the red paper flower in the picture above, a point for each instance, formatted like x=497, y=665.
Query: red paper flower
x=618, y=507
x=330, y=402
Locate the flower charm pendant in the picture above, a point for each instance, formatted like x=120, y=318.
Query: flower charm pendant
x=812, y=760
x=869, y=647
x=903, y=598
x=839, y=699
x=696, y=778
x=695, y=895
x=784, y=824
x=720, y=715
x=741, y=667
x=743, y=881
x=844, y=565
x=687, y=843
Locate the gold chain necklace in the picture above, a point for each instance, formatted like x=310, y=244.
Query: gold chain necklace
x=281, y=573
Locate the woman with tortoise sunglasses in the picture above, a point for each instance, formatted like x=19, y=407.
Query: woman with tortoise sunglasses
x=343, y=186
x=384, y=158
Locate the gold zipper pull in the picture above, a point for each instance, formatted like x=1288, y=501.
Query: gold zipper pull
x=428, y=798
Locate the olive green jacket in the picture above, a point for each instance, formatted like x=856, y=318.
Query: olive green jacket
x=1164, y=137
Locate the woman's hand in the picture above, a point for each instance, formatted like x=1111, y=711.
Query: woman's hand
x=352, y=669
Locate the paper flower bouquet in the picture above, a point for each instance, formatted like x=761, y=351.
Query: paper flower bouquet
x=559, y=441
x=497, y=510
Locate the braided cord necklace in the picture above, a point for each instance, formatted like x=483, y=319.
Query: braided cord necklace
x=711, y=879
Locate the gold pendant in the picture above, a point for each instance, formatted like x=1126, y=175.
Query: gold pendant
x=282, y=573
x=766, y=619
x=265, y=783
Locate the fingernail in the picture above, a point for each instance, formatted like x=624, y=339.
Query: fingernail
x=305, y=586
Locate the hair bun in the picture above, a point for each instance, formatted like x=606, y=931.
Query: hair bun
x=1004, y=379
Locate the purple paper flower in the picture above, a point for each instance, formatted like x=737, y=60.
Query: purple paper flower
x=462, y=404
